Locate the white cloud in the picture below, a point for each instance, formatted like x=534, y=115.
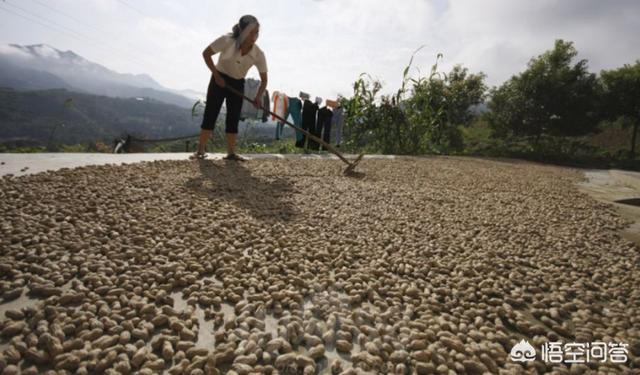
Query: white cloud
x=322, y=46
x=6, y=49
x=499, y=37
x=47, y=51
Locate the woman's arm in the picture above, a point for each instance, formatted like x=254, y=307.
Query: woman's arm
x=207, y=54
x=257, y=102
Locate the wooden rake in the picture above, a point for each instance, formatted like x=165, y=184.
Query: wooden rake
x=351, y=165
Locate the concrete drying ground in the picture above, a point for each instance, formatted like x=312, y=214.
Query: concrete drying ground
x=283, y=264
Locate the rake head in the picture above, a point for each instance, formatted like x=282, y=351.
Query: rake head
x=352, y=166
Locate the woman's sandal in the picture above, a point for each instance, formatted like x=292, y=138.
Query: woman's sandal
x=234, y=157
x=198, y=156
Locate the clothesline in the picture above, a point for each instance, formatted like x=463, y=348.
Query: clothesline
x=309, y=116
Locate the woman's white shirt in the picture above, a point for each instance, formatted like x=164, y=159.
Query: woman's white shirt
x=232, y=63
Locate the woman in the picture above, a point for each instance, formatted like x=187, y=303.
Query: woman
x=238, y=53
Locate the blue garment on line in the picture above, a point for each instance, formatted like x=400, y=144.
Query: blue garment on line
x=295, y=110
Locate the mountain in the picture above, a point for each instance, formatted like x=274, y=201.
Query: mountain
x=47, y=95
x=38, y=67
x=70, y=117
x=66, y=117
x=191, y=94
x=15, y=76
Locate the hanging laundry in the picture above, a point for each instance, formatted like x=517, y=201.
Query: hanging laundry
x=313, y=145
x=324, y=124
x=338, y=122
x=265, y=106
x=295, y=110
x=280, y=104
x=309, y=112
x=331, y=103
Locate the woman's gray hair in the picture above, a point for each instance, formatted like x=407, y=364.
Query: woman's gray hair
x=241, y=30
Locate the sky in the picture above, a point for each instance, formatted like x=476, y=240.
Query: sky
x=322, y=46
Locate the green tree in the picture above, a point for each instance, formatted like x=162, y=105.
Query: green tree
x=552, y=97
x=622, y=97
x=362, y=116
x=421, y=117
x=441, y=103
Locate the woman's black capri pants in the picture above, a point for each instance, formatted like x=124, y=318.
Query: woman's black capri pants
x=215, y=96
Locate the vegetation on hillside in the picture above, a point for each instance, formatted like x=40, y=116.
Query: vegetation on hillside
x=554, y=111
x=61, y=116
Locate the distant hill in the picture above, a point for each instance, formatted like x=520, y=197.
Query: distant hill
x=42, y=88
x=192, y=94
x=41, y=67
x=14, y=76
x=33, y=115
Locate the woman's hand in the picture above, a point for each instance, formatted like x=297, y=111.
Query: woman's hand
x=219, y=80
x=256, y=102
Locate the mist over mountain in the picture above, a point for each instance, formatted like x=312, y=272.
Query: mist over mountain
x=41, y=67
